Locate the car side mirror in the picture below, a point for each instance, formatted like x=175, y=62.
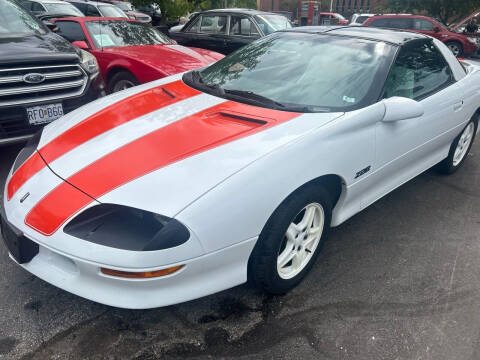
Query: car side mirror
x=53, y=27
x=401, y=108
x=436, y=29
x=81, y=45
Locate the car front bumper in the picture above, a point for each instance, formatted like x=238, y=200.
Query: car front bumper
x=80, y=273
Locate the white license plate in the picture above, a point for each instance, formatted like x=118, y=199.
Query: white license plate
x=44, y=113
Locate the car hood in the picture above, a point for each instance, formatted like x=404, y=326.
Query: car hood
x=39, y=47
x=158, y=147
x=171, y=59
x=465, y=21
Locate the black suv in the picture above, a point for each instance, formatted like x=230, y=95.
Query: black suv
x=42, y=76
x=226, y=30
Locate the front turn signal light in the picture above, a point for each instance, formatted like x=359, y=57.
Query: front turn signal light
x=141, y=275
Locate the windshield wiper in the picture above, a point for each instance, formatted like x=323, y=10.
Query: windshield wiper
x=250, y=95
x=197, y=79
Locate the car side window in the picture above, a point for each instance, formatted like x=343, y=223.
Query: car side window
x=379, y=23
x=422, y=24
x=26, y=4
x=213, y=24
x=70, y=30
x=92, y=11
x=37, y=7
x=195, y=26
x=242, y=26
x=419, y=71
x=399, y=23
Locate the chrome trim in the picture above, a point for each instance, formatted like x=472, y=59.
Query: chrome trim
x=15, y=139
x=64, y=90
x=49, y=87
x=57, y=75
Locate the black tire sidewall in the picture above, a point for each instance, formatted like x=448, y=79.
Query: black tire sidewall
x=263, y=261
x=121, y=75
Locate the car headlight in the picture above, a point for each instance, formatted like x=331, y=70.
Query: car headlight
x=88, y=62
x=127, y=228
x=472, y=40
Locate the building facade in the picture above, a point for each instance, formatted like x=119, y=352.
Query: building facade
x=349, y=7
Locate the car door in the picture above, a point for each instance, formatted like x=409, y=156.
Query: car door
x=242, y=31
x=406, y=148
x=426, y=27
x=212, y=34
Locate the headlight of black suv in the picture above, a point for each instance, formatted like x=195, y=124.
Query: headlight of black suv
x=127, y=228
x=88, y=62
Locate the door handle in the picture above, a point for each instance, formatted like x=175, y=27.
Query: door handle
x=458, y=106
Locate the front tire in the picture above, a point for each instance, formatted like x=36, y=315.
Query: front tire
x=291, y=240
x=459, y=149
x=121, y=80
x=455, y=47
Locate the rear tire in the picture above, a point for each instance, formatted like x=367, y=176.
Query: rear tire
x=455, y=47
x=121, y=80
x=459, y=149
x=291, y=240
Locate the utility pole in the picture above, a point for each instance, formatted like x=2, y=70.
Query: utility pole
x=331, y=5
x=225, y=3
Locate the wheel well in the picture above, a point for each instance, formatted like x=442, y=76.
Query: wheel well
x=114, y=71
x=334, y=185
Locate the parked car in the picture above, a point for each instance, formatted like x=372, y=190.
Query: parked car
x=209, y=30
x=193, y=184
x=42, y=7
x=152, y=10
x=130, y=52
x=459, y=44
x=100, y=9
x=42, y=76
x=327, y=18
x=128, y=9
x=359, y=19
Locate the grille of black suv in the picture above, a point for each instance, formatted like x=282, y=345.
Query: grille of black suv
x=60, y=81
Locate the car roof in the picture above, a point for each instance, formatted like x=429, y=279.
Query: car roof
x=84, y=19
x=392, y=36
x=239, y=10
x=89, y=2
x=50, y=1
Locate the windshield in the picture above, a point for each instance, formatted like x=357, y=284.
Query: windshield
x=317, y=73
x=124, y=6
x=111, y=11
x=15, y=21
x=110, y=33
x=361, y=19
x=272, y=23
x=64, y=9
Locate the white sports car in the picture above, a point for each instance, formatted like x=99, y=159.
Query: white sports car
x=193, y=184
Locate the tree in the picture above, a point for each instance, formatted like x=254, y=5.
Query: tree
x=448, y=11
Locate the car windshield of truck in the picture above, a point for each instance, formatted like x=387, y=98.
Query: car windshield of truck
x=15, y=21
x=292, y=71
x=64, y=9
x=111, y=11
x=272, y=23
x=111, y=33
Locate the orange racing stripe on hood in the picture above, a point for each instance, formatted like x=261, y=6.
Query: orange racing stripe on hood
x=191, y=135
x=112, y=116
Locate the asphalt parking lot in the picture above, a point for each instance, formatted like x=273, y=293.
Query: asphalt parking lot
x=401, y=280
